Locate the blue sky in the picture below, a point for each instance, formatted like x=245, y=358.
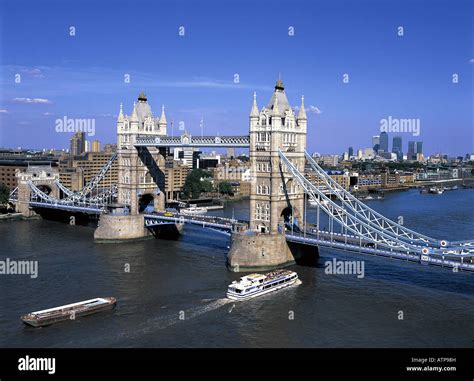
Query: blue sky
x=82, y=76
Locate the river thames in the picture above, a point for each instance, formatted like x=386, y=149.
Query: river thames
x=174, y=293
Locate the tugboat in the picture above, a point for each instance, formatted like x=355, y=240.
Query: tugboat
x=254, y=285
x=68, y=311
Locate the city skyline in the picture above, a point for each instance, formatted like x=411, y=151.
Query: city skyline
x=83, y=75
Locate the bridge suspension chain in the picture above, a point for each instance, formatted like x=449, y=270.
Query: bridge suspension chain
x=353, y=223
x=359, y=226
x=87, y=189
x=64, y=189
x=371, y=216
x=377, y=219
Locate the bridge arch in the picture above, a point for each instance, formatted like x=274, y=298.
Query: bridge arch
x=288, y=213
x=262, y=227
x=45, y=188
x=146, y=203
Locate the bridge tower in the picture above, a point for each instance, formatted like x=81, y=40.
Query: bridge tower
x=44, y=177
x=140, y=172
x=276, y=200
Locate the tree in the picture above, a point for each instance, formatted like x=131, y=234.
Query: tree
x=4, y=193
x=225, y=188
x=196, y=183
x=206, y=186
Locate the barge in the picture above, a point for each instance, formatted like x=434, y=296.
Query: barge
x=68, y=311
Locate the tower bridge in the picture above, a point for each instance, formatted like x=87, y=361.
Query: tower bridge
x=276, y=234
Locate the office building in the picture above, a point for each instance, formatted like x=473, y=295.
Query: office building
x=397, y=147
x=77, y=144
x=383, y=142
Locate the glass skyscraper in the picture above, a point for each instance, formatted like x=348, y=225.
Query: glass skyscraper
x=397, y=147
x=384, y=142
x=411, y=155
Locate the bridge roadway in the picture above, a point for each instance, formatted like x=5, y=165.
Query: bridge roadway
x=72, y=207
x=314, y=237
x=341, y=242
x=219, y=224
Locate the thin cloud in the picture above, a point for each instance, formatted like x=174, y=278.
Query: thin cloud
x=34, y=72
x=471, y=61
x=314, y=110
x=311, y=109
x=210, y=83
x=3, y=111
x=32, y=100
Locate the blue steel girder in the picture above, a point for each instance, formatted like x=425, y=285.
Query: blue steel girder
x=371, y=216
x=224, y=226
x=40, y=199
x=359, y=226
x=354, y=223
x=193, y=141
x=89, y=209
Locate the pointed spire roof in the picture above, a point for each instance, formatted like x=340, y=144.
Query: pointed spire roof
x=120, y=116
x=142, y=97
x=279, y=85
x=162, y=117
x=254, y=111
x=134, y=116
x=279, y=99
x=302, y=112
x=276, y=110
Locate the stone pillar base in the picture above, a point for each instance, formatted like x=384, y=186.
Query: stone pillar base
x=116, y=228
x=24, y=209
x=251, y=251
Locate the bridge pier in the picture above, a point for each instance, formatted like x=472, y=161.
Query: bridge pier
x=120, y=228
x=252, y=251
x=168, y=231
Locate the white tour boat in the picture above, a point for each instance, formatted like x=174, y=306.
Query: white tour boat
x=254, y=285
x=193, y=210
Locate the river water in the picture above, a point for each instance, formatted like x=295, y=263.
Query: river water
x=174, y=293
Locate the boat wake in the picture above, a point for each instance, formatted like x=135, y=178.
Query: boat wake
x=169, y=320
